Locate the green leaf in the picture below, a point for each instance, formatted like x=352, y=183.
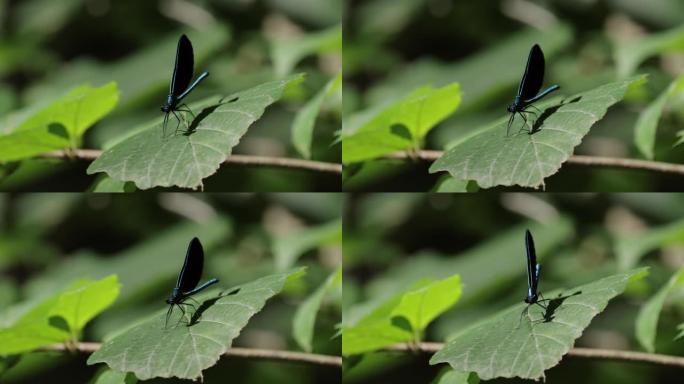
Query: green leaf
x=680, y=328
x=60, y=124
x=113, y=377
x=60, y=317
x=31, y=142
x=287, y=53
x=8, y=101
x=402, y=318
x=647, y=319
x=305, y=316
x=106, y=184
x=308, y=12
x=305, y=119
x=287, y=249
x=423, y=305
x=42, y=18
x=395, y=17
x=646, y=125
x=84, y=299
x=508, y=345
x=77, y=110
x=184, y=351
x=491, y=158
x=629, y=249
x=455, y=377
x=448, y=184
x=629, y=54
x=7, y=362
x=183, y=160
x=400, y=125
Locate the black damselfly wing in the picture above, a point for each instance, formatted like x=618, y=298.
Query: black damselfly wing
x=531, y=263
x=182, y=71
x=533, y=78
x=191, y=272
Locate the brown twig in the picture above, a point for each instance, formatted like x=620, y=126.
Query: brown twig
x=265, y=161
x=615, y=162
x=612, y=162
x=249, y=353
x=426, y=155
x=608, y=354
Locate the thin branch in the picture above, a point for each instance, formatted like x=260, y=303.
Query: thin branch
x=82, y=154
x=425, y=347
x=426, y=155
x=284, y=162
x=614, y=162
x=611, y=354
x=611, y=162
x=265, y=161
x=608, y=354
x=249, y=353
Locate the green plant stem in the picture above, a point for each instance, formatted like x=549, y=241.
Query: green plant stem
x=248, y=160
x=249, y=353
x=597, y=353
x=599, y=161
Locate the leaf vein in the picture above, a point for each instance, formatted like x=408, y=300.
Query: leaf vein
x=552, y=146
x=515, y=167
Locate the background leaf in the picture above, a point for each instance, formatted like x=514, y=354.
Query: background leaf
x=286, y=53
x=106, y=184
x=647, y=319
x=680, y=334
x=629, y=249
x=60, y=124
x=491, y=158
x=449, y=184
x=629, y=54
x=399, y=125
x=60, y=317
x=77, y=110
x=379, y=328
x=304, y=320
x=288, y=248
x=421, y=306
x=646, y=125
x=305, y=120
x=149, y=350
x=183, y=160
x=113, y=377
x=83, y=300
x=455, y=377
x=499, y=347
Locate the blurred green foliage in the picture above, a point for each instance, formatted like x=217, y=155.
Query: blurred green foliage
x=48, y=47
x=59, y=318
x=394, y=47
x=401, y=125
x=402, y=318
x=394, y=240
x=49, y=240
